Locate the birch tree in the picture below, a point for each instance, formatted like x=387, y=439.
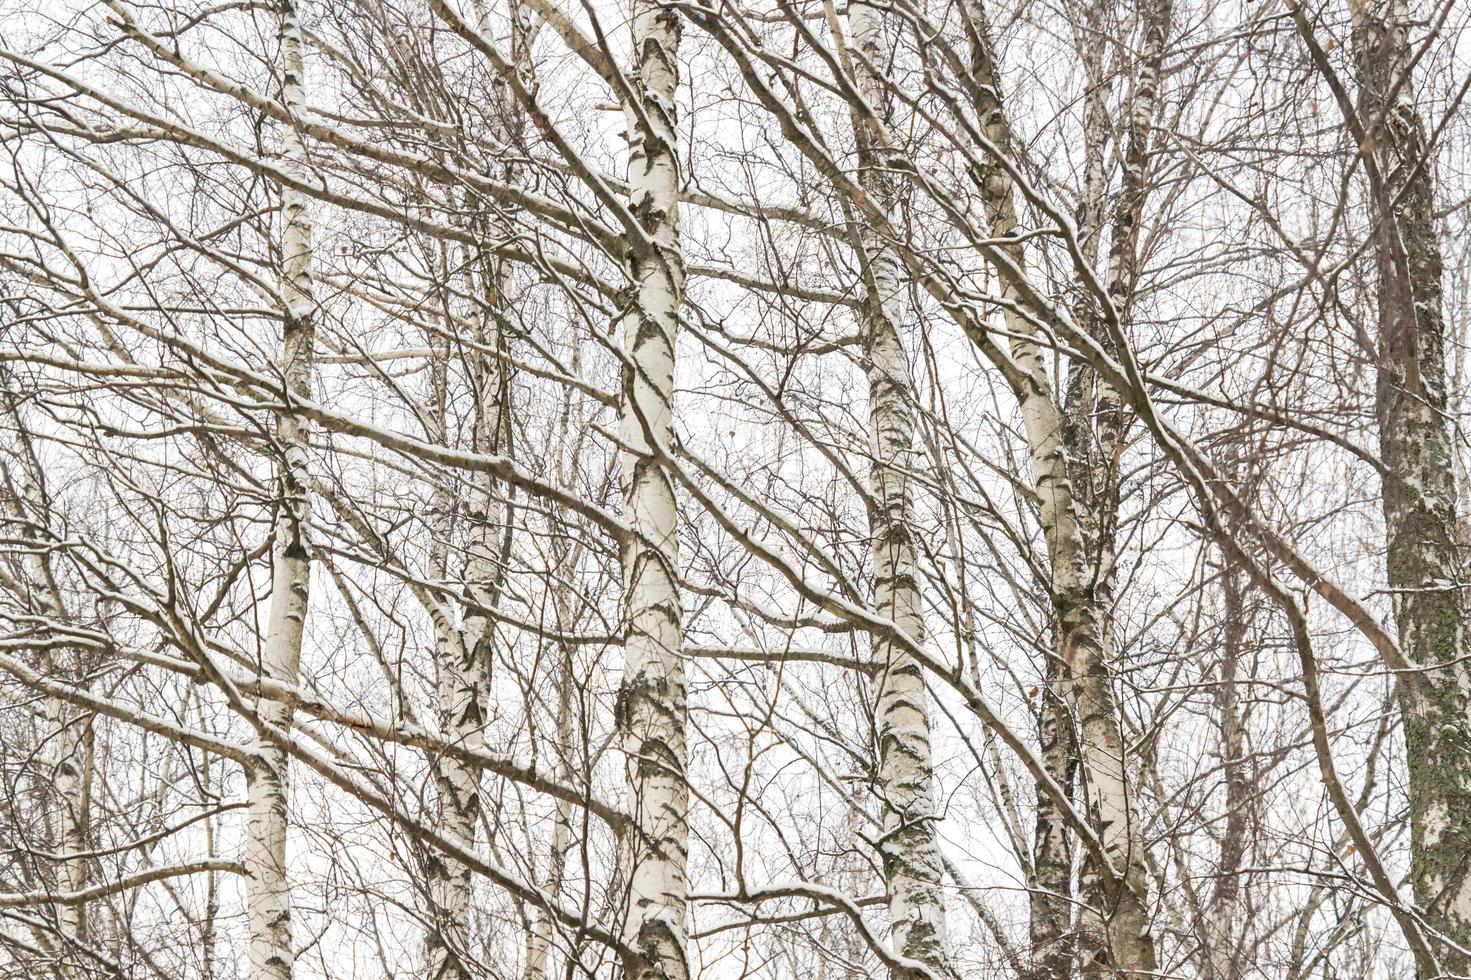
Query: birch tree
x=652, y=703
x=268, y=883
x=1423, y=558
x=67, y=736
x=913, y=868
x=1005, y=598
x=1074, y=451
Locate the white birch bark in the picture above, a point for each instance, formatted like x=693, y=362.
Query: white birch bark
x=1054, y=909
x=539, y=944
x=67, y=733
x=1051, y=899
x=1222, y=959
x=447, y=937
x=69, y=749
x=652, y=703
x=267, y=885
x=566, y=558
x=1093, y=434
x=913, y=868
x=463, y=655
x=1081, y=575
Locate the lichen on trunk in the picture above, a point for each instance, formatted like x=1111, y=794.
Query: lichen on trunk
x=1425, y=571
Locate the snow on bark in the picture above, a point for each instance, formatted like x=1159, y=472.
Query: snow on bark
x=913, y=868
x=652, y=702
x=1426, y=577
x=267, y=885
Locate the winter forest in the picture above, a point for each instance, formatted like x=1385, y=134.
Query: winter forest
x=771, y=489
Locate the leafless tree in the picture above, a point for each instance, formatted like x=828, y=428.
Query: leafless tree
x=688, y=488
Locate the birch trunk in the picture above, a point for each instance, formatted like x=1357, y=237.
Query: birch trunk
x=1078, y=531
x=1115, y=921
x=66, y=746
x=267, y=886
x=1225, y=907
x=1054, y=940
x=566, y=560
x=1425, y=572
x=652, y=703
x=69, y=747
x=463, y=655
x=463, y=679
x=446, y=937
x=913, y=868
x=1051, y=897
x=539, y=944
